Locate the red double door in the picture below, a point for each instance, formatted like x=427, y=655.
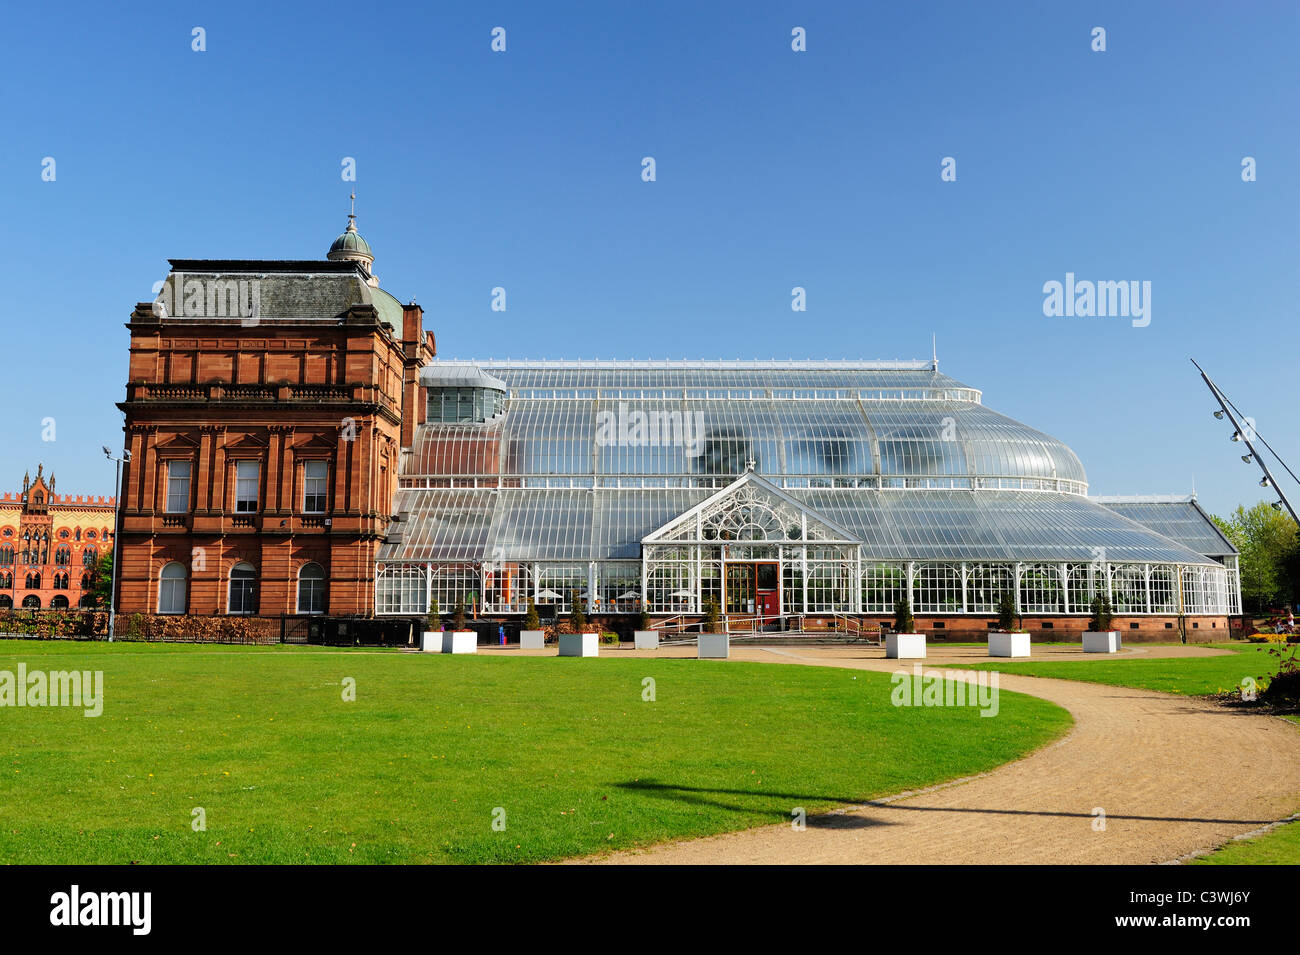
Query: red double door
x=753, y=589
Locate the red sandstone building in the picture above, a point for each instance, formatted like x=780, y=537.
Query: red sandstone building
x=49, y=544
x=267, y=405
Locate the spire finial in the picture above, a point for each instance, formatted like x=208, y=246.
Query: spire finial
x=934, y=344
x=352, y=213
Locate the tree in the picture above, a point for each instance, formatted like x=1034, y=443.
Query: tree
x=577, y=619
x=530, y=618
x=101, y=581
x=435, y=617
x=903, y=621
x=712, y=615
x=458, y=616
x=1006, y=611
x=1270, y=555
x=1101, y=615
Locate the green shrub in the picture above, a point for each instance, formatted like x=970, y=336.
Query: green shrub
x=1102, y=614
x=1007, y=612
x=903, y=620
x=712, y=615
x=577, y=619
x=531, y=621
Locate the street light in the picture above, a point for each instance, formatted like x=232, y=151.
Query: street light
x=1245, y=458
x=1236, y=436
x=1219, y=415
x=1263, y=482
x=117, y=533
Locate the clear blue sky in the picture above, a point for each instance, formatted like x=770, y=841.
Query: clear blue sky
x=775, y=169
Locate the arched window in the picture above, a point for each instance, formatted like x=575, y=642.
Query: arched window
x=89, y=556
x=63, y=555
x=243, y=587
x=85, y=581
x=6, y=555
x=32, y=602
x=87, y=601
x=311, y=589
x=171, y=588
x=59, y=602
x=6, y=602
x=33, y=583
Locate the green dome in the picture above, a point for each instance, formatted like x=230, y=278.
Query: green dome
x=350, y=245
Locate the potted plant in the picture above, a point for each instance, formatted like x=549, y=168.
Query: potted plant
x=1007, y=640
x=532, y=637
x=714, y=642
x=904, y=643
x=458, y=639
x=643, y=638
x=431, y=639
x=1099, y=637
x=580, y=643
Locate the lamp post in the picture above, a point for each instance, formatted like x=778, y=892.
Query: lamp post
x=1245, y=435
x=117, y=533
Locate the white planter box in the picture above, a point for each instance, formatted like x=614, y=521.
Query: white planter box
x=459, y=641
x=579, y=644
x=905, y=646
x=431, y=641
x=1105, y=642
x=1009, y=644
x=645, y=640
x=714, y=646
x=532, y=639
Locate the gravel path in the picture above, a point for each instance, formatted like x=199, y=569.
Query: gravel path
x=1173, y=775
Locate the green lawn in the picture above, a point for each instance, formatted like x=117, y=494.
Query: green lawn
x=1191, y=676
x=1280, y=846
x=286, y=771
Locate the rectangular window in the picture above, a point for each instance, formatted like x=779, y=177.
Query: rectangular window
x=178, y=487
x=246, y=481
x=315, y=476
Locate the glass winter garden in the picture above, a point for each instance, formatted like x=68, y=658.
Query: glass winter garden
x=774, y=488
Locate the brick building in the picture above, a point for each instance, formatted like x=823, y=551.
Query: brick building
x=267, y=405
x=49, y=544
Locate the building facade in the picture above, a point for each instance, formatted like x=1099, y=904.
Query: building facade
x=266, y=407
x=778, y=490
x=50, y=543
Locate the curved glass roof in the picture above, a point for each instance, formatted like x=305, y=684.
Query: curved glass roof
x=876, y=424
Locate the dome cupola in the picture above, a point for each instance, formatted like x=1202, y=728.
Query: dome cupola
x=350, y=246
